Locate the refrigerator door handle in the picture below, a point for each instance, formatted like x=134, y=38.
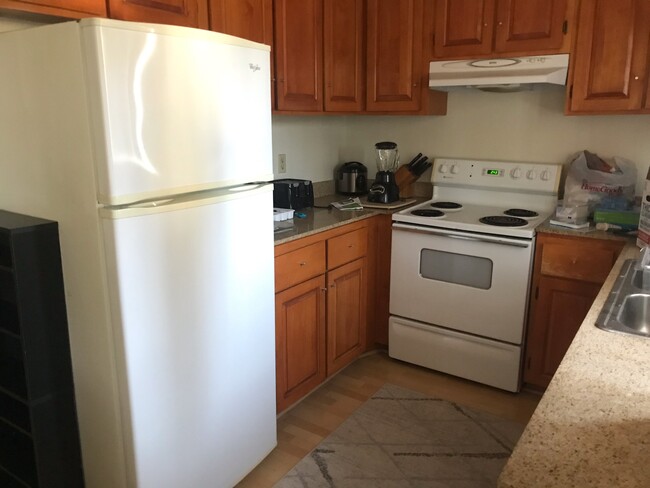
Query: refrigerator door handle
x=186, y=200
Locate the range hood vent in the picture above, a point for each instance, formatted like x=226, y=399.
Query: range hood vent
x=499, y=74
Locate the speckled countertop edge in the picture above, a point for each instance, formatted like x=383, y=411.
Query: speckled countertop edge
x=592, y=426
x=322, y=217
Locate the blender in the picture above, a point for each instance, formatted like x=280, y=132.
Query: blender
x=384, y=189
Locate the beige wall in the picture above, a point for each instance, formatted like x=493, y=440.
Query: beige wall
x=524, y=126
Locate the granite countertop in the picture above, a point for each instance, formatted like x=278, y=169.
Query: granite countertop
x=322, y=217
x=592, y=426
x=590, y=232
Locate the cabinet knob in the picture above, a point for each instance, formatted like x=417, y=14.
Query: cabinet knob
x=333, y=285
x=636, y=78
x=323, y=290
x=350, y=246
x=500, y=24
x=303, y=263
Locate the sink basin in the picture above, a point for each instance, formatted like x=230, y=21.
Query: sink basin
x=627, y=308
x=635, y=313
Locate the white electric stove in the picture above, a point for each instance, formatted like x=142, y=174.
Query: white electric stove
x=461, y=267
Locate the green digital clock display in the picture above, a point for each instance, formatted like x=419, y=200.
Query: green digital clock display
x=493, y=172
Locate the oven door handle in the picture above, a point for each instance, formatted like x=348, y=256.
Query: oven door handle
x=465, y=237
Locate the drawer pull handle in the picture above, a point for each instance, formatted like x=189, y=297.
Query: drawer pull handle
x=350, y=246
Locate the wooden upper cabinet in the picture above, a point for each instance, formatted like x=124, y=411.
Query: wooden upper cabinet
x=344, y=50
x=248, y=19
x=299, y=54
x=395, y=67
x=530, y=25
x=611, y=56
x=189, y=13
x=464, y=28
x=73, y=9
x=467, y=28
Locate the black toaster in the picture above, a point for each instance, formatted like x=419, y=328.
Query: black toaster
x=291, y=193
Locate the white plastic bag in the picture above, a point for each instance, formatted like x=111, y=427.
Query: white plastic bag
x=598, y=183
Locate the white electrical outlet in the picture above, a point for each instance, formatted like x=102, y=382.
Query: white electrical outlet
x=282, y=163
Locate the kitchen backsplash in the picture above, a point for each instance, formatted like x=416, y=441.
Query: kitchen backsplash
x=523, y=126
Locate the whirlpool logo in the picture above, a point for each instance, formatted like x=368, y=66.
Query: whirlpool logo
x=254, y=67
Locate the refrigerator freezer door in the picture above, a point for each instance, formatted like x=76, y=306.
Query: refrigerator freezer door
x=191, y=293
x=175, y=109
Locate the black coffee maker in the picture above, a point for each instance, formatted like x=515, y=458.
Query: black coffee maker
x=384, y=189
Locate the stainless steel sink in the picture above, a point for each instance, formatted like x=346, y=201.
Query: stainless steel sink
x=627, y=309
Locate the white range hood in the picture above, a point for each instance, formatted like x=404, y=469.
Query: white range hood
x=499, y=74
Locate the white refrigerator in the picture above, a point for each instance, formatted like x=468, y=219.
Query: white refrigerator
x=140, y=140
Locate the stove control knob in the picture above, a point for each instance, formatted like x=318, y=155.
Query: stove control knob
x=443, y=168
x=454, y=170
x=545, y=175
x=531, y=175
x=516, y=173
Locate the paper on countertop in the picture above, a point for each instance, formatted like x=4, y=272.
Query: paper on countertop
x=349, y=204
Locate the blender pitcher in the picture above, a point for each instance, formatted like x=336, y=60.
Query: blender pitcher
x=384, y=189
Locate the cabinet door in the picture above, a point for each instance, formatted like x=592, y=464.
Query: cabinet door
x=346, y=314
x=344, y=55
x=557, y=312
x=300, y=340
x=464, y=28
x=394, y=71
x=568, y=274
x=610, y=56
x=190, y=13
x=299, y=54
x=530, y=25
x=248, y=19
x=64, y=8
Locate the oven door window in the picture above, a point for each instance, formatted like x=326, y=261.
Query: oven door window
x=460, y=269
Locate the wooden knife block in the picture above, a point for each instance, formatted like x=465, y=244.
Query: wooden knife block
x=405, y=179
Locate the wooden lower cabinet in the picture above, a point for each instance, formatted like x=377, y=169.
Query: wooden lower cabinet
x=346, y=314
x=321, y=306
x=300, y=340
x=568, y=274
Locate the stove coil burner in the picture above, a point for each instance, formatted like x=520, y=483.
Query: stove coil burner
x=426, y=212
x=503, y=221
x=447, y=205
x=520, y=212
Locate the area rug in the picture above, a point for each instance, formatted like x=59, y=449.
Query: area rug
x=404, y=439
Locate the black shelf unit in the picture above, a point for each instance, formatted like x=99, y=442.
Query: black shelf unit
x=39, y=436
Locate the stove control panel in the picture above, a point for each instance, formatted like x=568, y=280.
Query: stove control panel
x=508, y=175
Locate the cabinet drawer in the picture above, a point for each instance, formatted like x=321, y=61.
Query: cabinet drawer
x=346, y=248
x=297, y=266
x=584, y=263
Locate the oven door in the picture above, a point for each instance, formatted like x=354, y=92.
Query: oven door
x=467, y=282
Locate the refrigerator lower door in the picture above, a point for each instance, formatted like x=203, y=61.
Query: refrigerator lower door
x=192, y=300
